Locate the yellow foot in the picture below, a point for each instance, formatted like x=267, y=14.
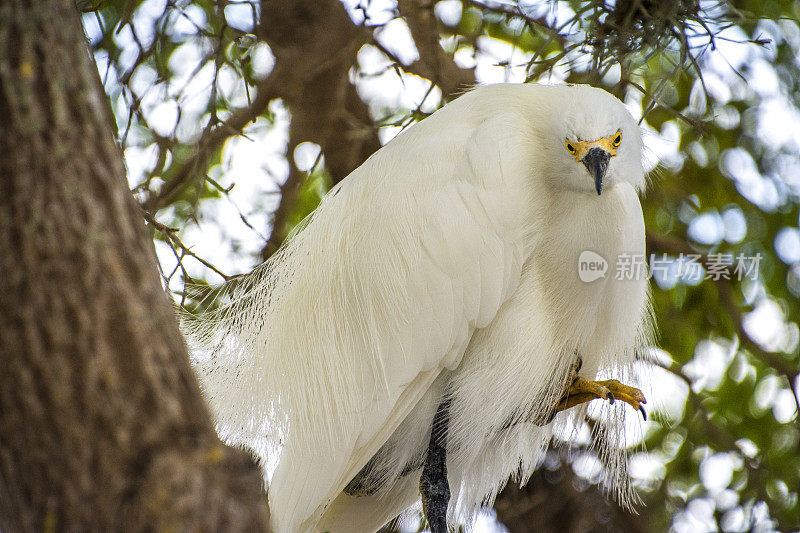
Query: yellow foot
x=583, y=390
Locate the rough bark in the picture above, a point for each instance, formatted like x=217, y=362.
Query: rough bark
x=102, y=426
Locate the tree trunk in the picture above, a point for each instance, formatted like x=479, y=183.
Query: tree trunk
x=102, y=426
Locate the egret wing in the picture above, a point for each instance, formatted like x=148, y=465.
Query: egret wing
x=352, y=322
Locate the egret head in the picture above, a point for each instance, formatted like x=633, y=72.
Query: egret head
x=596, y=141
x=595, y=155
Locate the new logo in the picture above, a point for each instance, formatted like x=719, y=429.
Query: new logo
x=591, y=266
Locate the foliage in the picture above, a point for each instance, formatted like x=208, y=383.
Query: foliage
x=191, y=82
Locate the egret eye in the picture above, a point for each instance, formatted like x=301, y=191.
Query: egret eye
x=570, y=148
x=617, y=139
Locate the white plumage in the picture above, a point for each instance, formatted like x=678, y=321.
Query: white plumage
x=447, y=262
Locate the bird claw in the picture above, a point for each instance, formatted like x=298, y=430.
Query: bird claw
x=583, y=390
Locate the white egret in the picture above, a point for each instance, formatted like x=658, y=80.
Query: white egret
x=425, y=328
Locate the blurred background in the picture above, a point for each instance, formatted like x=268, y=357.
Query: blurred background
x=236, y=117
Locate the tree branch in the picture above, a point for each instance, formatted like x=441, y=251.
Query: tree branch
x=210, y=141
x=434, y=63
x=315, y=45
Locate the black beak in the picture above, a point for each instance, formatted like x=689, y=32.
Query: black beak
x=596, y=162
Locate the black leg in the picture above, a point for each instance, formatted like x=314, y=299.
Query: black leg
x=433, y=482
x=573, y=374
